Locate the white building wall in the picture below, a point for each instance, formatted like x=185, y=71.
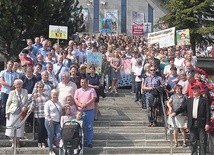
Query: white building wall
x=132, y=5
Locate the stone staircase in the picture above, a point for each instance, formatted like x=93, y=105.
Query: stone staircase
x=121, y=129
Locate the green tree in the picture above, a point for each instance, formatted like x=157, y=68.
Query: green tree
x=22, y=19
x=197, y=15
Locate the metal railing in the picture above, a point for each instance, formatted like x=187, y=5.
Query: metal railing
x=166, y=127
x=15, y=128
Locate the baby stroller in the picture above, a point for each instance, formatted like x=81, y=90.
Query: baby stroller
x=155, y=107
x=72, y=138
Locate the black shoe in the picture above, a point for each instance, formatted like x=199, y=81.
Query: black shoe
x=136, y=100
x=144, y=107
x=90, y=146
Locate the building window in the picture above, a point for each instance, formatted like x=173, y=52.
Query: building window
x=150, y=15
x=123, y=16
x=96, y=16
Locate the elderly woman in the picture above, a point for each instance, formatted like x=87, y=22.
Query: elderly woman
x=53, y=111
x=16, y=104
x=38, y=102
x=66, y=88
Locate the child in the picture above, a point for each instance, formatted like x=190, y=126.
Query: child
x=66, y=114
x=73, y=108
x=66, y=117
x=78, y=118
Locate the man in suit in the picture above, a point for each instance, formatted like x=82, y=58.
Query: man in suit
x=198, y=112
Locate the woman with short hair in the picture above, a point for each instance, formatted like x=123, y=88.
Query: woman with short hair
x=53, y=111
x=16, y=104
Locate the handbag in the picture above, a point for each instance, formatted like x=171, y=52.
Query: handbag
x=154, y=92
x=23, y=115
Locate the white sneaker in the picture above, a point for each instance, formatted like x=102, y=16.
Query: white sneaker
x=43, y=145
x=52, y=153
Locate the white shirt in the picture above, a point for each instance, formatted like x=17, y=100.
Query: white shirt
x=66, y=90
x=138, y=71
x=179, y=62
x=133, y=64
x=195, y=108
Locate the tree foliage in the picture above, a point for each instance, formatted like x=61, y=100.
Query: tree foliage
x=22, y=19
x=197, y=15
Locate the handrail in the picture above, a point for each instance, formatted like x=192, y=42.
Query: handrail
x=164, y=115
x=29, y=101
x=15, y=129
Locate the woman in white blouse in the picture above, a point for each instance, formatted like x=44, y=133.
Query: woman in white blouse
x=53, y=111
x=16, y=104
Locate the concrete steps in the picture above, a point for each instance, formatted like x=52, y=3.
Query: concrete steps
x=121, y=129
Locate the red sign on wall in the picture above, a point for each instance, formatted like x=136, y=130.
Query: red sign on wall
x=137, y=29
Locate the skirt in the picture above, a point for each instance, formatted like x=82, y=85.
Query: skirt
x=10, y=132
x=178, y=121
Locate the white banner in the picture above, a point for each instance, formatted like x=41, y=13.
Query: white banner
x=164, y=38
x=113, y=14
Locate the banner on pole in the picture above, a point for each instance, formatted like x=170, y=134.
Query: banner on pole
x=95, y=59
x=58, y=32
x=164, y=38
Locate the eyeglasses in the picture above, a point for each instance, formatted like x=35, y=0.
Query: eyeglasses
x=39, y=87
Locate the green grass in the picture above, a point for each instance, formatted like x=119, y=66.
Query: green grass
x=212, y=77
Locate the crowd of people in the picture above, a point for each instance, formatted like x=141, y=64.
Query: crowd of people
x=60, y=82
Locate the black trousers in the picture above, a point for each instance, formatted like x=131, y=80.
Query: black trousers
x=42, y=132
x=195, y=134
x=211, y=141
x=4, y=98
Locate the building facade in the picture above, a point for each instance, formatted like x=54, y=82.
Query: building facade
x=123, y=13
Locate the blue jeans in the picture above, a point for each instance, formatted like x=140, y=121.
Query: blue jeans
x=151, y=110
x=88, y=124
x=53, y=132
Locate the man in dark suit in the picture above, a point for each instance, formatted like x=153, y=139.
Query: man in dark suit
x=198, y=112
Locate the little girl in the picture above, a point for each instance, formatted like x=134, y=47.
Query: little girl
x=66, y=114
x=73, y=108
x=66, y=117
